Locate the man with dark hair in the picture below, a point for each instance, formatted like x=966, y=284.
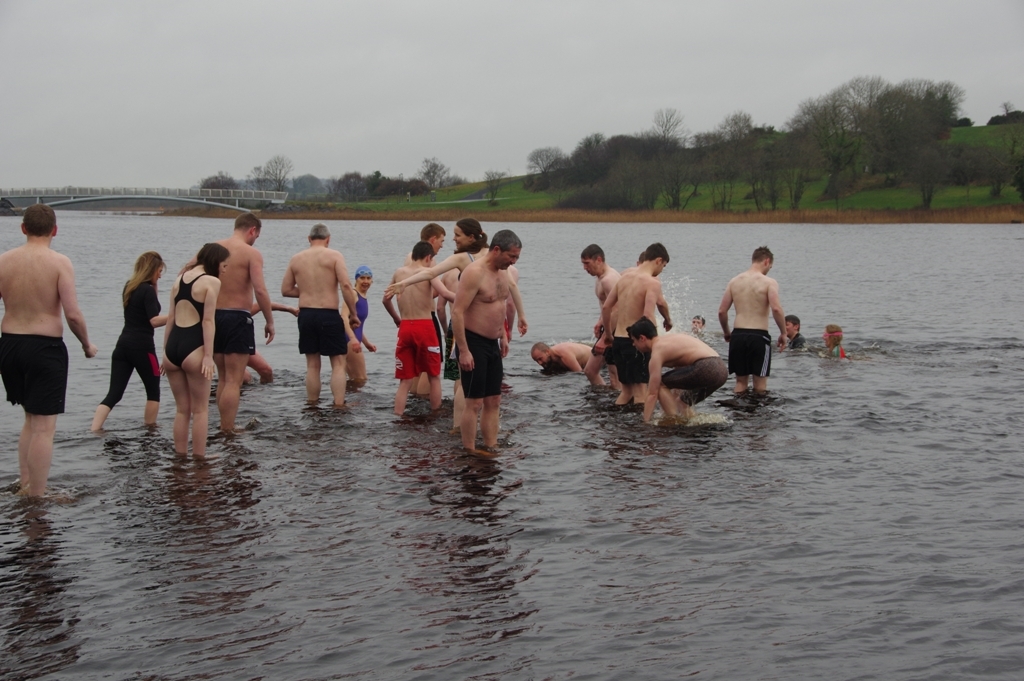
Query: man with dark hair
x=314, y=277
x=635, y=295
x=594, y=264
x=419, y=346
x=478, y=324
x=750, y=345
x=696, y=370
x=36, y=285
x=795, y=340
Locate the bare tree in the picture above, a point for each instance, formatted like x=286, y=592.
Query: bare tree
x=434, y=173
x=493, y=179
x=544, y=160
x=257, y=179
x=668, y=126
x=276, y=172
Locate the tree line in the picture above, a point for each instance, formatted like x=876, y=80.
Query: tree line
x=866, y=129
x=895, y=133
x=276, y=175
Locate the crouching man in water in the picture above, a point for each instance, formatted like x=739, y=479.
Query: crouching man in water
x=563, y=357
x=696, y=370
x=36, y=284
x=478, y=323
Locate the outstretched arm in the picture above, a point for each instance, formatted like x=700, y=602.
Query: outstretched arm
x=449, y=263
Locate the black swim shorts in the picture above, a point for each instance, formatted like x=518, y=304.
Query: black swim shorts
x=322, y=332
x=697, y=381
x=630, y=362
x=485, y=378
x=750, y=352
x=235, y=334
x=35, y=372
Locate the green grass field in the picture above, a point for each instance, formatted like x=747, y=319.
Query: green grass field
x=866, y=196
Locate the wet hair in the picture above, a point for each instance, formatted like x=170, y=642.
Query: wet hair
x=505, y=240
x=656, y=250
x=422, y=250
x=592, y=251
x=319, y=232
x=39, y=220
x=146, y=267
x=793, y=319
x=471, y=227
x=432, y=230
x=762, y=253
x=642, y=327
x=832, y=341
x=247, y=220
x=210, y=256
x=700, y=319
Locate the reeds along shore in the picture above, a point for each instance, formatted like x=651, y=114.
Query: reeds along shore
x=1013, y=213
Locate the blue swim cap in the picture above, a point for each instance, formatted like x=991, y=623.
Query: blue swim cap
x=363, y=271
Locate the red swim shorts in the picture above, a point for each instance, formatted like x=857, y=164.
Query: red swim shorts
x=418, y=349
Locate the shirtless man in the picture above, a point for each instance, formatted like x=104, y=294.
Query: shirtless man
x=562, y=357
x=635, y=295
x=433, y=234
x=750, y=345
x=419, y=348
x=235, y=339
x=36, y=284
x=313, y=276
x=698, y=370
x=478, y=322
x=595, y=265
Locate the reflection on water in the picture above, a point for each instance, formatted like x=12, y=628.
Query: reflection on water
x=38, y=624
x=861, y=521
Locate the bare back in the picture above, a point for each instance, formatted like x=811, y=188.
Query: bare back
x=35, y=283
x=244, y=266
x=318, y=272
x=749, y=291
x=417, y=300
x=636, y=295
x=680, y=349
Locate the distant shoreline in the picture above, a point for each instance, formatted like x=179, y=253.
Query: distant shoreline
x=1003, y=214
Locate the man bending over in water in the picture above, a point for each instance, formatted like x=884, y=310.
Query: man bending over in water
x=697, y=370
x=750, y=345
x=563, y=357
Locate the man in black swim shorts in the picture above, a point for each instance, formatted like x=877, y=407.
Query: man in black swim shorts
x=754, y=294
x=37, y=284
x=478, y=323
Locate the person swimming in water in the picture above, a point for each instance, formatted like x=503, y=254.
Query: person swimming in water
x=562, y=357
x=833, y=338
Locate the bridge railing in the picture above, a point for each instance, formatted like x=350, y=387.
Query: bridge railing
x=74, y=192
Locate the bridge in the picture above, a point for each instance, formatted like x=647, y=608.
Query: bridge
x=65, y=196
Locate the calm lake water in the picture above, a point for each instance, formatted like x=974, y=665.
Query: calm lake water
x=865, y=523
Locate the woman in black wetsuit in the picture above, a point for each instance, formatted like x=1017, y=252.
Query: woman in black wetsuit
x=188, y=346
x=135, y=350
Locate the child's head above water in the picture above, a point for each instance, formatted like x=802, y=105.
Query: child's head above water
x=833, y=336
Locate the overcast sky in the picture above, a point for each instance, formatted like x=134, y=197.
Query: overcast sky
x=162, y=94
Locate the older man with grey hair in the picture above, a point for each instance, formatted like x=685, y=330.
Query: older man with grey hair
x=314, y=276
x=478, y=324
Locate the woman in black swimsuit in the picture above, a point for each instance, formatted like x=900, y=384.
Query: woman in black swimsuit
x=135, y=351
x=188, y=346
